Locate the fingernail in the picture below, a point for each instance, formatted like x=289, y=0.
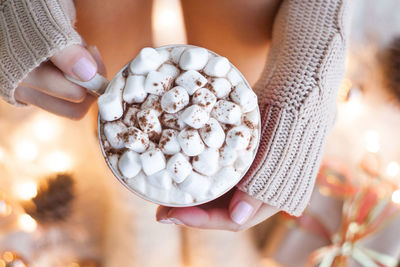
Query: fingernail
x=166, y=221
x=84, y=69
x=176, y=221
x=241, y=213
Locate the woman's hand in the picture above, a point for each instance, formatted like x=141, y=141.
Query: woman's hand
x=234, y=211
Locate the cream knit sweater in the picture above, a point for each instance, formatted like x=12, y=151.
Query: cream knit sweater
x=297, y=91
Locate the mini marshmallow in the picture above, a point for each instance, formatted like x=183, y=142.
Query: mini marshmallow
x=238, y=137
x=130, y=116
x=138, y=182
x=251, y=119
x=207, y=161
x=228, y=156
x=212, y=133
x=174, y=100
x=176, y=54
x=149, y=123
x=113, y=161
x=161, y=179
x=152, y=161
x=147, y=60
x=234, y=77
x=129, y=164
x=225, y=179
x=191, y=80
x=172, y=121
x=114, y=132
x=157, y=193
x=227, y=112
x=195, y=116
x=169, y=70
x=177, y=196
x=134, y=89
x=164, y=54
x=244, y=97
x=169, y=142
x=152, y=102
x=221, y=87
x=204, y=98
x=243, y=161
x=190, y=142
x=196, y=185
x=217, y=67
x=179, y=166
x=253, y=141
x=193, y=58
x=110, y=103
x=136, y=140
x=157, y=83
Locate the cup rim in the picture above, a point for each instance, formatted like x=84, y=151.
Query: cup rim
x=119, y=176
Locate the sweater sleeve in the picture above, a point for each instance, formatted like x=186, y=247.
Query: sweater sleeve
x=297, y=97
x=31, y=31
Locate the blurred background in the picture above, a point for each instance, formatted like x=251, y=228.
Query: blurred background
x=61, y=206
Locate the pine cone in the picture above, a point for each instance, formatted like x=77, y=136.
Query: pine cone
x=54, y=199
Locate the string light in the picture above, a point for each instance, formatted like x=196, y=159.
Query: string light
x=392, y=169
x=27, y=223
x=44, y=128
x=25, y=190
x=26, y=150
x=372, y=141
x=58, y=161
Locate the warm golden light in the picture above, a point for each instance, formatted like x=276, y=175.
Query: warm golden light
x=396, y=196
x=2, y=263
x=58, y=161
x=27, y=223
x=44, y=128
x=8, y=256
x=5, y=208
x=393, y=169
x=2, y=154
x=25, y=190
x=26, y=150
x=372, y=141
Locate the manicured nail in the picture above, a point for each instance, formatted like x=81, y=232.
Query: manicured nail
x=242, y=212
x=84, y=69
x=176, y=221
x=166, y=221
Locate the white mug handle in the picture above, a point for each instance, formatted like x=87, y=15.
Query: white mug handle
x=96, y=86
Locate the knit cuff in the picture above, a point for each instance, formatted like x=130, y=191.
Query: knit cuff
x=30, y=32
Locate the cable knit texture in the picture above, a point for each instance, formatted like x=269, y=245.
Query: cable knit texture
x=31, y=31
x=297, y=97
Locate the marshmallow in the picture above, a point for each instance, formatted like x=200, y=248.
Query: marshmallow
x=234, y=77
x=174, y=100
x=204, y=98
x=193, y=58
x=168, y=142
x=176, y=54
x=157, y=83
x=114, y=133
x=217, y=67
x=134, y=89
x=136, y=140
x=158, y=194
x=130, y=116
x=177, y=196
x=227, y=112
x=191, y=80
x=238, y=137
x=179, y=166
x=113, y=161
x=152, y=161
x=129, y=164
x=147, y=60
x=245, y=97
x=169, y=70
x=243, y=161
x=152, y=102
x=190, y=142
x=212, y=133
x=225, y=179
x=196, y=185
x=251, y=119
x=149, y=123
x=164, y=54
x=195, y=116
x=110, y=103
x=161, y=179
x=138, y=183
x=172, y=121
x=253, y=141
x=228, y=156
x=220, y=87
x=207, y=161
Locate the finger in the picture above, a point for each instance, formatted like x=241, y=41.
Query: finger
x=54, y=105
x=50, y=80
x=243, y=207
x=75, y=61
x=264, y=212
x=162, y=214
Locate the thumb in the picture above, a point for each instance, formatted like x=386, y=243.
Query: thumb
x=75, y=61
x=243, y=207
